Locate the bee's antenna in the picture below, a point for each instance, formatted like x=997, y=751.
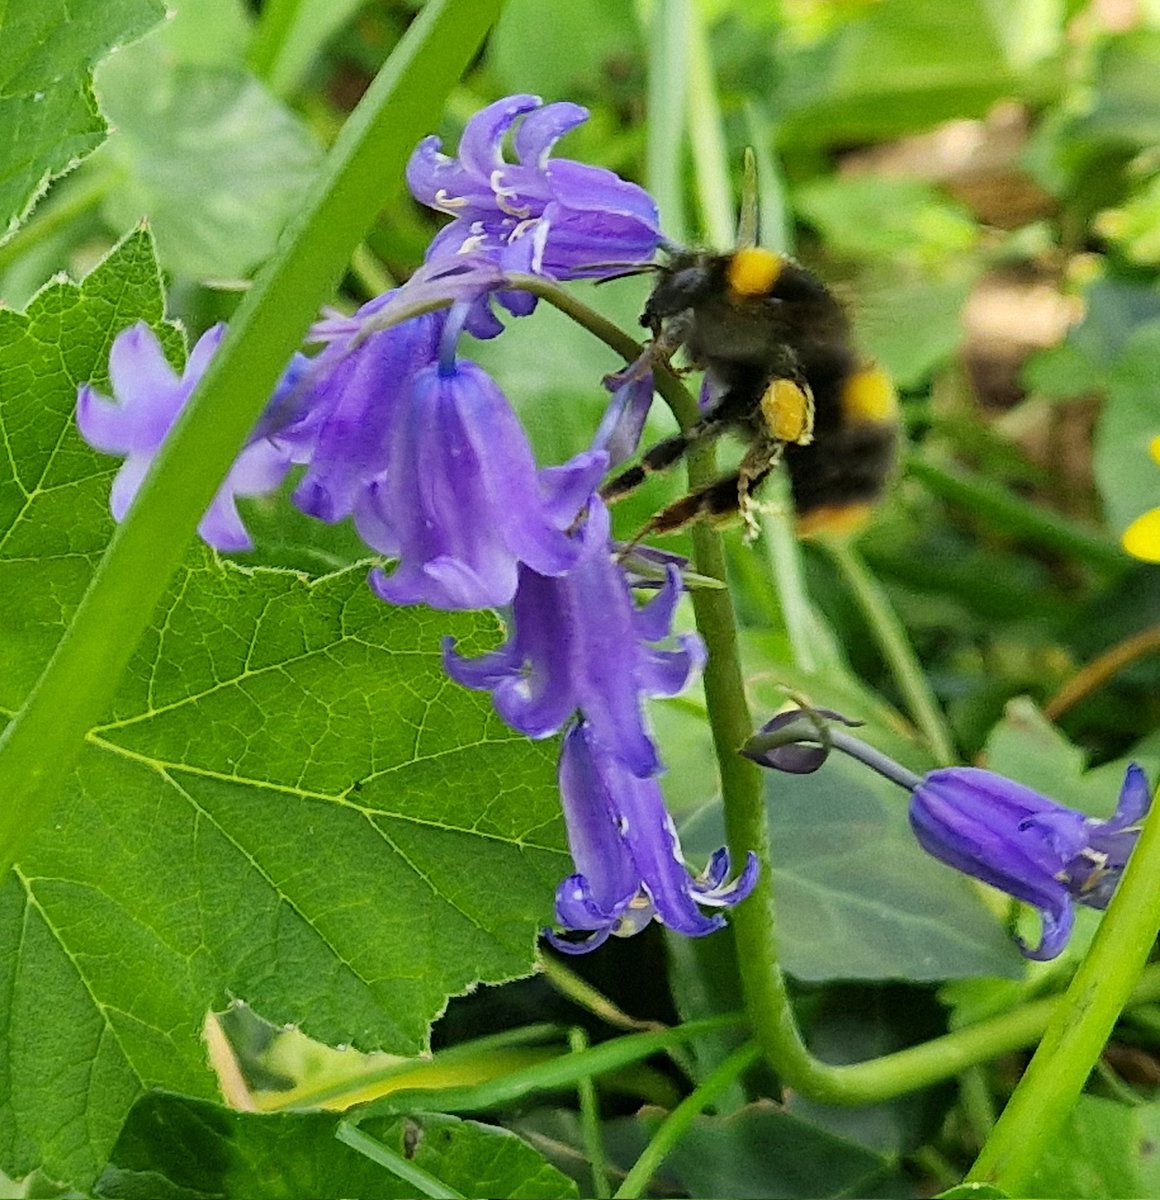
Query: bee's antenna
x=748, y=218
x=625, y=272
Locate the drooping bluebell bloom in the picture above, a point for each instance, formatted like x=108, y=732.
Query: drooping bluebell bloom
x=1027, y=845
x=986, y=825
x=579, y=643
x=460, y=502
x=629, y=865
x=148, y=396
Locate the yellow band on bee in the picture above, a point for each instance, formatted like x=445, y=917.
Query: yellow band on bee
x=868, y=395
x=753, y=271
x=788, y=412
x=833, y=520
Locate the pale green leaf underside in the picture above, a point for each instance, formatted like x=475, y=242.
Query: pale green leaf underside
x=290, y=803
x=48, y=118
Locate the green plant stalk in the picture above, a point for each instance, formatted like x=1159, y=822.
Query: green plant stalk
x=707, y=135
x=895, y=646
x=678, y=1121
x=564, y=1071
x=271, y=30
x=590, y=1120
x=41, y=744
x=422, y=1181
x=1014, y=515
x=1080, y=1025
x=668, y=41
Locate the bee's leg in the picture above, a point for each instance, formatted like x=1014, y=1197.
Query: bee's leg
x=759, y=460
x=721, y=500
x=661, y=456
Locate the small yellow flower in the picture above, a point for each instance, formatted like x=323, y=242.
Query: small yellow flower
x=1142, y=538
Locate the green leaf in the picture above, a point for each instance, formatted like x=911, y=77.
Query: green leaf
x=762, y=1150
x=1105, y=1151
x=48, y=118
x=290, y=801
x=905, y=221
x=177, y=1148
x=576, y=46
x=214, y=162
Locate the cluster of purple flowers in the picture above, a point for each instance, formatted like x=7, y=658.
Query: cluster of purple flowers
x=421, y=448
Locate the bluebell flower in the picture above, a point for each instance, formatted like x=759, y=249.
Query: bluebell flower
x=148, y=396
x=1030, y=847
x=629, y=864
x=579, y=643
x=461, y=503
x=558, y=217
x=986, y=825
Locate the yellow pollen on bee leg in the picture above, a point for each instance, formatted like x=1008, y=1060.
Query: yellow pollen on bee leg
x=869, y=395
x=753, y=271
x=788, y=412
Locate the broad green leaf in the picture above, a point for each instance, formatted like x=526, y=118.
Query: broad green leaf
x=178, y=1148
x=905, y=221
x=764, y=1151
x=290, y=802
x=1105, y=1151
x=214, y=162
x=48, y=118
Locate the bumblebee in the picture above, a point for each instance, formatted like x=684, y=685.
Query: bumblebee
x=781, y=371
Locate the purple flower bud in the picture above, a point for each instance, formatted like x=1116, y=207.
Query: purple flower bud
x=148, y=396
x=629, y=865
x=578, y=642
x=624, y=418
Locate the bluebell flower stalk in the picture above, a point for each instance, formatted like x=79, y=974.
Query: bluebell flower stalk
x=630, y=868
x=986, y=825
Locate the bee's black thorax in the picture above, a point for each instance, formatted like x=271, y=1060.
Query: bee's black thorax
x=781, y=368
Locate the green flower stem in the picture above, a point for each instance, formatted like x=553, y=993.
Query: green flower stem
x=1014, y=515
x=895, y=647
x=678, y=1121
x=707, y=135
x=563, y=1071
x=668, y=40
x=41, y=744
x=590, y=1120
x=424, y=1183
x=1080, y=1025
